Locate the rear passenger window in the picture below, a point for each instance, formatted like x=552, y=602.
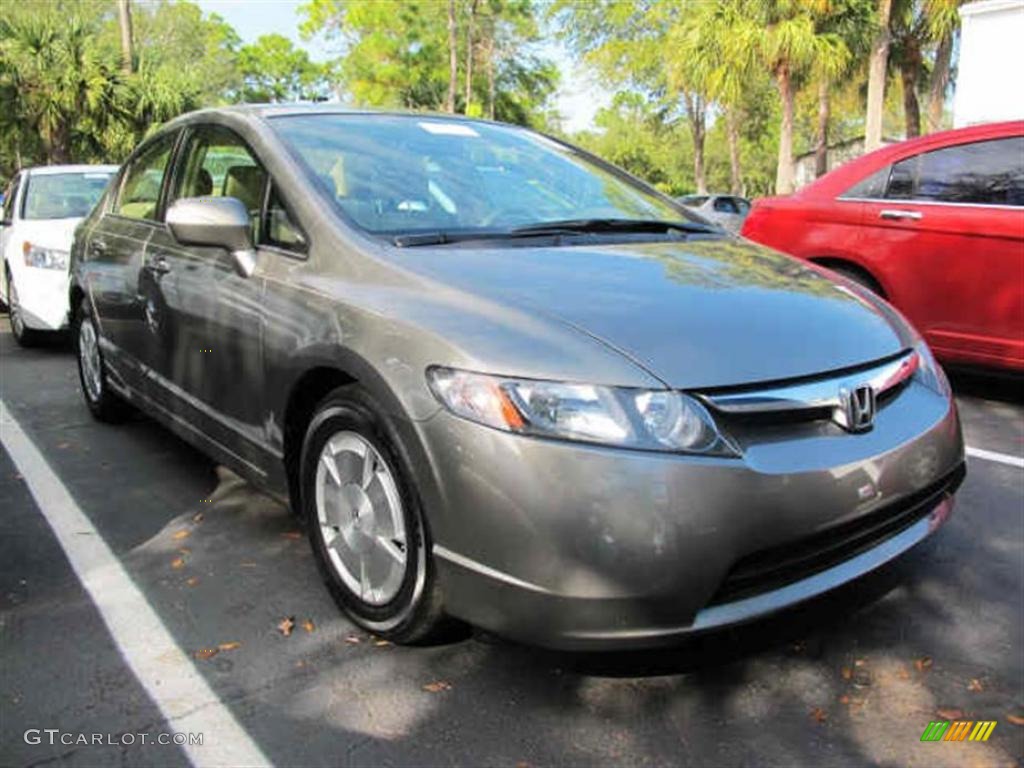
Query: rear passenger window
x=872, y=187
x=981, y=173
x=140, y=189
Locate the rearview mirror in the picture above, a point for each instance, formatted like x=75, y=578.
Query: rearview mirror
x=216, y=222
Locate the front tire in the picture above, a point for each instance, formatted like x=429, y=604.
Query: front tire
x=103, y=404
x=25, y=336
x=366, y=526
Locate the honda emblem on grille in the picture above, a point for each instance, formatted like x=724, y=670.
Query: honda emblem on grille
x=856, y=411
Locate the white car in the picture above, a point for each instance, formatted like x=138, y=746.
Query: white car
x=41, y=208
x=727, y=211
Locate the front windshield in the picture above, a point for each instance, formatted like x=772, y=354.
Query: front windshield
x=401, y=174
x=63, y=195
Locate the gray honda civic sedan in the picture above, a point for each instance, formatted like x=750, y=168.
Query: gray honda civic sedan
x=502, y=381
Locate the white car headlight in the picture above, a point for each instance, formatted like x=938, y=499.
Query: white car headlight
x=659, y=420
x=44, y=258
x=929, y=372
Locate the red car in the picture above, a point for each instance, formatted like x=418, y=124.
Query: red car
x=934, y=224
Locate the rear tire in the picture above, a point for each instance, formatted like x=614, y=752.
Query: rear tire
x=103, y=403
x=25, y=336
x=368, y=533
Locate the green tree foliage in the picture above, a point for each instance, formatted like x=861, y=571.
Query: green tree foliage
x=397, y=55
x=274, y=70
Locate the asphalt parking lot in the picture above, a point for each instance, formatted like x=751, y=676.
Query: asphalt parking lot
x=853, y=679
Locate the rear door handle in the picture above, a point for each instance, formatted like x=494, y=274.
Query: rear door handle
x=893, y=213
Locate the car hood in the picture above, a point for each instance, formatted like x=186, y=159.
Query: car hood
x=700, y=313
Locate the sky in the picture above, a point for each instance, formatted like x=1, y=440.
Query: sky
x=578, y=98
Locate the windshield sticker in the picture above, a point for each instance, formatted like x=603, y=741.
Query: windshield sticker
x=448, y=129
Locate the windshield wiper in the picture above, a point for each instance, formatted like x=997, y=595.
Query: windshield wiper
x=566, y=227
x=587, y=226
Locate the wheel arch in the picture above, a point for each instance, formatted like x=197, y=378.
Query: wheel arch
x=319, y=372
x=840, y=263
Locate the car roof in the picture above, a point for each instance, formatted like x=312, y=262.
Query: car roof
x=266, y=111
x=839, y=179
x=50, y=170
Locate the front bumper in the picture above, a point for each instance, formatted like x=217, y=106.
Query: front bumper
x=43, y=297
x=575, y=546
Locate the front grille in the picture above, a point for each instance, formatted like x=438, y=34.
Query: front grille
x=773, y=568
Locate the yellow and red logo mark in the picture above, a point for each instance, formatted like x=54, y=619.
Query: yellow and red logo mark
x=958, y=730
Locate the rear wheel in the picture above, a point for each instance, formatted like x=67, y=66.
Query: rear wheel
x=102, y=402
x=367, y=530
x=25, y=336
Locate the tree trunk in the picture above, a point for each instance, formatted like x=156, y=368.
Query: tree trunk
x=696, y=114
x=453, y=59
x=824, y=112
x=910, y=69
x=469, y=54
x=876, y=79
x=124, y=15
x=491, y=90
x=732, y=130
x=784, y=170
x=939, y=82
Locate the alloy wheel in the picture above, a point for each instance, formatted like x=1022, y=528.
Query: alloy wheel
x=359, y=512
x=89, y=357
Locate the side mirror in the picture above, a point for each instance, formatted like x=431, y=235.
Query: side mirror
x=216, y=222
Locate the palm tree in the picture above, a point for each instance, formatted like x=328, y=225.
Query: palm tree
x=876, y=78
x=782, y=37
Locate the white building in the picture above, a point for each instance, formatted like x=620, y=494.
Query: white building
x=989, y=84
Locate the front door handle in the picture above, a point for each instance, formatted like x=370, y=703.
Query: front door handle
x=160, y=265
x=97, y=247
x=895, y=213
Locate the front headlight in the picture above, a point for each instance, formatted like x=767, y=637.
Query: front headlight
x=44, y=258
x=929, y=372
x=659, y=420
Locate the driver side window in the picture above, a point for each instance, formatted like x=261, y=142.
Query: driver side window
x=217, y=163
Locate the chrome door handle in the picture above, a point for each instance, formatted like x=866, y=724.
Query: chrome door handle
x=892, y=213
x=97, y=247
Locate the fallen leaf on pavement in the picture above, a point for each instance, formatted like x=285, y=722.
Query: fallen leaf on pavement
x=205, y=653
x=247, y=565
x=903, y=674
x=353, y=640
x=192, y=581
x=177, y=563
x=308, y=625
x=819, y=715
x=847, y=673
x=844, y=699
x=286, y=625
x=381, y=643
x=292, y=534
x=437, y=686
x=197, y=517
x=975, y=685
x=229, y=646
x=950, y=713
x=184, y=551
x=1015, y=719
x=62, y=446
x=180, y=535
x=923, y=663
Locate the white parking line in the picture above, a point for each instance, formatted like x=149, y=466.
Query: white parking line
x=1001, y=458
x=168, y=675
